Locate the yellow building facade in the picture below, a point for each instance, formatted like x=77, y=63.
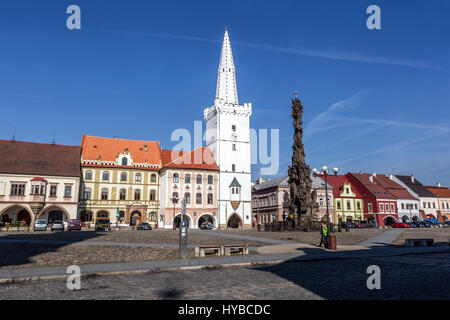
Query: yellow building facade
x=119, y=181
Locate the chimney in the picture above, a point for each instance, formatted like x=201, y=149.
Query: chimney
x=374, y=174
x=438, y=184
x=371, y=179
x=413, y=179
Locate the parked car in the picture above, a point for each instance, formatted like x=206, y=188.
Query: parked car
x=365, y=224
x=411, y=225
x=74, y=224
x=399, y=225
x=424, y=224
x=144, y=226
x=447, y=223
x=416, y=224
x=206, y=226
x=40, y=225
x=432, y=223
x=57, y=225
x=102, y=224
x=350, y=224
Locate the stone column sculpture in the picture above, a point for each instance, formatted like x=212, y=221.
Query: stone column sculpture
x=303, y=204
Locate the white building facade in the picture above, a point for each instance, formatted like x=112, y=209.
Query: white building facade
x=426, y=200
x=38, y=181
x=228, y=137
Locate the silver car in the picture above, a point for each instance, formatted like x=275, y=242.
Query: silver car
x=57, y=225
x=40, y=225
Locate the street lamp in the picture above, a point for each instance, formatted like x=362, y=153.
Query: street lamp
x=174, y=201
x=325, y=174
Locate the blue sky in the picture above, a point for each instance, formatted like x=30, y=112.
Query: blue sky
x=374, y=100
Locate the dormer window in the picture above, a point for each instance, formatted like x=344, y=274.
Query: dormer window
x=124, y=161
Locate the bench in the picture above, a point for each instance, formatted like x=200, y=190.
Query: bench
x=202, y=251
x=419, y=242
x=236, y=249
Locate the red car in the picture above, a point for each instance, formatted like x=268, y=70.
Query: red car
x=74, y=224
x=400, y=225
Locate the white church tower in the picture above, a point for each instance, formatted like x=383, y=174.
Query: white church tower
x=228, y=137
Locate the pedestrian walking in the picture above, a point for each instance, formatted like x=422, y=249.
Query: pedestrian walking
x=324, y=235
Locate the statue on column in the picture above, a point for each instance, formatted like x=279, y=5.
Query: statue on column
x=303, y=204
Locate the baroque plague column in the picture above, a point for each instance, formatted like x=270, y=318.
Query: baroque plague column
x=302, y=204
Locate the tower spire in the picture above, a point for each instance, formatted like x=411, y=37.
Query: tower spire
x=226, y=91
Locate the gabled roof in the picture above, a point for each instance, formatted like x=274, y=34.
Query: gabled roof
x=415, y=185
x=337, y=182
x=375, y=187
x=382, y=186
x=199, y=158
x=439, y=191
x=108, y=149
x=319, y=183
x=235, y=183
x=17, y=157
x=280, y=182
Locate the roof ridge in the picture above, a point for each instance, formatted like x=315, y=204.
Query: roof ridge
x=115, y=139
x=41, y=143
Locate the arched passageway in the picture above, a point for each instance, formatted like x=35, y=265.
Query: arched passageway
x=135, y=218
x=177, y=220
x=16, y=214
x=234, y=222
x=205, y=219
x=388, y=221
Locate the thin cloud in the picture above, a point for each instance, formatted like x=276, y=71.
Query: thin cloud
x=336, y=55
x=392, y=148
x=393, y=123
x=326, y=54
x=24, y=95
x=324, y=121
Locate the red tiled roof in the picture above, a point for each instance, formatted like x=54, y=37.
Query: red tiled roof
x=382, y=186
x=17, y=157
x=200, y=158
x=337, y=182
x=439, y=191
x=108, y=149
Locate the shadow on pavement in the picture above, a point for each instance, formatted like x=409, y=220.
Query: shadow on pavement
x=335, y=278
x=16, y=249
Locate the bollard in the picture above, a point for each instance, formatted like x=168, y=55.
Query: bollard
x=332, y=242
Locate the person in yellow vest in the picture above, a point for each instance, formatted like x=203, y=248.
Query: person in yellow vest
x=324, y=235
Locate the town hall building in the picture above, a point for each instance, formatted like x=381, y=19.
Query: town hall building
x=228, y=138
